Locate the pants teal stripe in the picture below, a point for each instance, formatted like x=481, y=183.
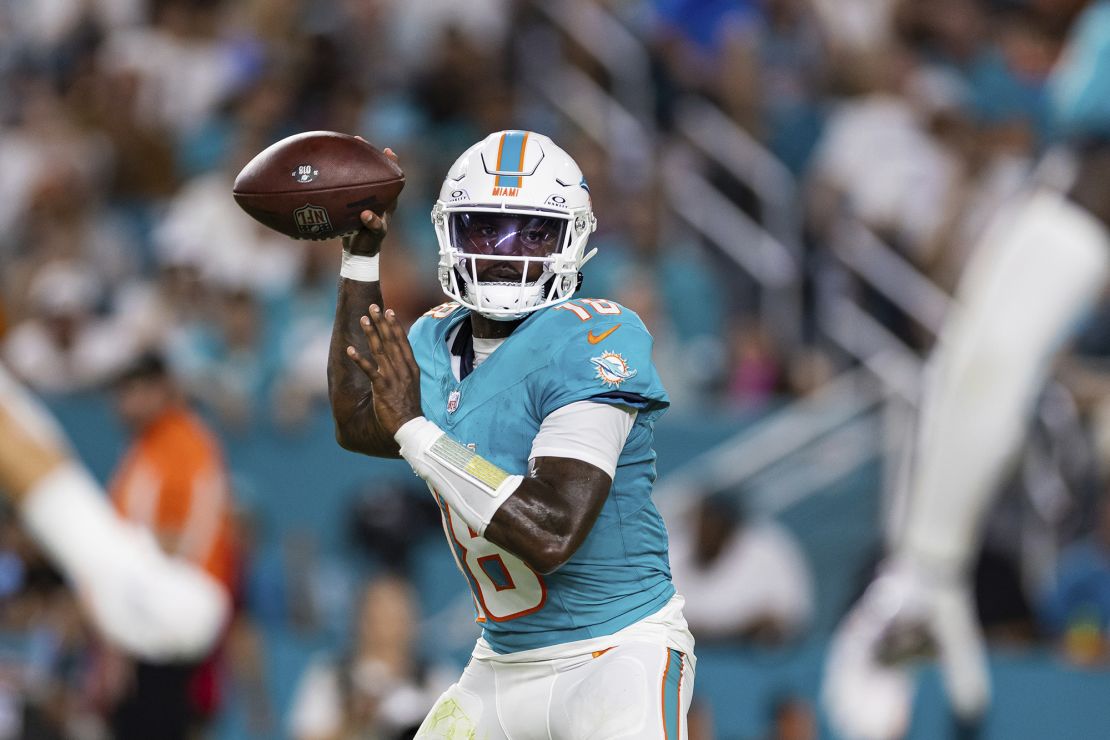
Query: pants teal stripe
x=671, y=694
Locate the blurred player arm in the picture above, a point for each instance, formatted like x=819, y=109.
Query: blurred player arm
x=150, y=605
x=350, y=391
x=1033, y=277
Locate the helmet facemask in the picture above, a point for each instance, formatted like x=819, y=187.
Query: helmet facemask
x=504, y=263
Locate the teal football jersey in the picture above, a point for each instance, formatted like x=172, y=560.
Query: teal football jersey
x=584, y=349
x=1080, y=85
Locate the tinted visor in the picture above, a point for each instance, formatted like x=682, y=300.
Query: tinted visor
x=507, y=234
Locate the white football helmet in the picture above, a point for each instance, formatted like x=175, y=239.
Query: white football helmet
x=512, y=221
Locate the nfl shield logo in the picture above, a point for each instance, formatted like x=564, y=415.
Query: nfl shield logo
x=311, y=219
x=452, y=402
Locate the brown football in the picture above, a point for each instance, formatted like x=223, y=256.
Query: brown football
x=315, y=184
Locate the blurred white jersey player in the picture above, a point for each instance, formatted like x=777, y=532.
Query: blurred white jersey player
x=153, y=606
x=1036, y=273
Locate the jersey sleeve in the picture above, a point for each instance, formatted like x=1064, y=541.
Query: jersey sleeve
x=605, y=360
x=422, y=334
x=420, y=337
x=591, y=432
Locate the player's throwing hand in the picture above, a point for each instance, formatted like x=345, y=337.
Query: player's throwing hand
x=391, y=368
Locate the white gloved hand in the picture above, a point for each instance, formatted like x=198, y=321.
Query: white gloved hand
x=158, y=607
x=868, y=685
x=154, y=606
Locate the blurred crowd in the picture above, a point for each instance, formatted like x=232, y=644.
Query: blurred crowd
x=124, y=122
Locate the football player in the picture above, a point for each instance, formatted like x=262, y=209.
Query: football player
x=1039, y=269
x=530, y=415
x=153, y=606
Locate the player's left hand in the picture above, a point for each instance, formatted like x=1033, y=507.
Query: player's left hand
x=391, y=368
x=868, y=684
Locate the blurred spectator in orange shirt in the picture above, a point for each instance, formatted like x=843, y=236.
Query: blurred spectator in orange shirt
x=174, y=481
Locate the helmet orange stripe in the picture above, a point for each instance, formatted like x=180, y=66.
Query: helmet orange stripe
x=501, y=150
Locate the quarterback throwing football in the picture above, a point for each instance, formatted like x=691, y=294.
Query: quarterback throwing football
x=530, y=416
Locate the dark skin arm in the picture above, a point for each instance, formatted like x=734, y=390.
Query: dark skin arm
x=349, y=390
x=552, y=511
x=548, y=516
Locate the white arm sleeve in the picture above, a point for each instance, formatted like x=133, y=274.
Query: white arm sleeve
x=474, y=488
x=1037, y=273
x=152, y=605
x=585, y=430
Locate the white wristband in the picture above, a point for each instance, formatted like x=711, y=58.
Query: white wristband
x=473, y=487
x=359, y=267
